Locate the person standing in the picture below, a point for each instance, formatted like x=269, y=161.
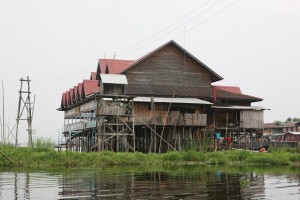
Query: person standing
x=218, y=138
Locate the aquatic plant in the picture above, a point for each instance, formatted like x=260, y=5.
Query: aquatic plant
x=45, y=157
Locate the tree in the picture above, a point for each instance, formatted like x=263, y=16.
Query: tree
x=296, y=119
x=288, y=120
x=277, y=122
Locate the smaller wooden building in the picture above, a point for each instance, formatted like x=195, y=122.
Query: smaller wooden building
x=291, y=136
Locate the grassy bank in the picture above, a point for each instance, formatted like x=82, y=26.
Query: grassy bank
x=45, y=157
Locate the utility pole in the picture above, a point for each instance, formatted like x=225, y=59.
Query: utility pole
x=3, y=129
x=25, y=105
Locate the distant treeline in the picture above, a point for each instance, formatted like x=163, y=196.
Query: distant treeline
x=287, y=120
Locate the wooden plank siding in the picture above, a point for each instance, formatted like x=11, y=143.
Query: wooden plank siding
x=112, y=89
x=252, y=119
x=169, y=66
x=249, y=119
x=86, y=107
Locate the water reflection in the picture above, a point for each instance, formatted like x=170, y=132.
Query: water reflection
x=187, y=182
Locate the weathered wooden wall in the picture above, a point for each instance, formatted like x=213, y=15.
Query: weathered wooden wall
x=169, y=66
x=252, y=119
x=112, y=89
x=111, y=108
x=160, y=116
x=91, y=105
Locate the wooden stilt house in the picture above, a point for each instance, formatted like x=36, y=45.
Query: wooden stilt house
x=163, y=101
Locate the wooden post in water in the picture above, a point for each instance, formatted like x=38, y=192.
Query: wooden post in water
x=7, y=157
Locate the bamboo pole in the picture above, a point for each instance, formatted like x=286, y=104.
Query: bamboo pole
x=7, y=157
x=162, y=132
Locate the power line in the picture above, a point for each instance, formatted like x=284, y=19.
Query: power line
x=211, y=16
x=155, y=34
x=66, y=76
x=45, y=89
x=78, y=73
x=216, y=13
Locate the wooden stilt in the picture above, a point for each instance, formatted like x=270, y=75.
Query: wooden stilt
x=155, y=151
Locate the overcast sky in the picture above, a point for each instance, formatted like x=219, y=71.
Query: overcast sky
x=254, y=44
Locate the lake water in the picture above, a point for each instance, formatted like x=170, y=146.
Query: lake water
x=188, y=182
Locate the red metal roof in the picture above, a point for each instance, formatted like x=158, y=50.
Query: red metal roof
x=233, y=93
x=68, y=97
x=90, y=87
x=93, y=75
x=236, y=96
x=79, y=91
x=114, y=66
x=75, y=93
x=63, y=98
x=232, y=89
x=71, y=95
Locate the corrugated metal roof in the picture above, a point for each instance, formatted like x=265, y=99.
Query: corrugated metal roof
x=235, y=96
x=79, y=91
x=294, y=133
x=114, y=78
x=93, y=75
x=63, y=99
x=181, y=91
x=71, y=95
x=114, y=66
x=241, y=107
x=75, y=90
x=90, y=87
x=68, y=98
x=232, y=89
x=171, y=100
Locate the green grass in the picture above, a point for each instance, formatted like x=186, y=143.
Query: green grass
x=46, y=157
x=43, y=143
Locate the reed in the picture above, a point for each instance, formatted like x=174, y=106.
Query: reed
x=46, y=157
x=43, y=143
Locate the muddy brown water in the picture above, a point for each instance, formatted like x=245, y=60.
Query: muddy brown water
x=185, y=182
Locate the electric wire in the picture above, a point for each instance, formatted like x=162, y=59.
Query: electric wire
x=208, y=18
x=45, y=89
x=155, y=34
x=78, y=73
x=66, y=76
x=203, y=21
x=180, y=25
